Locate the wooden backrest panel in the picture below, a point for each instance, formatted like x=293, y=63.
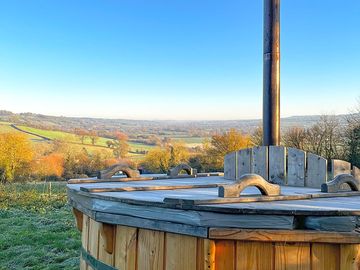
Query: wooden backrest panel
x=316, y=171
x=244, y=162
x=356, y=172
x=230, y=166
x=296, y=162
x=277, y=165
x=340, y=167
x=285, y=166
x=260, y=161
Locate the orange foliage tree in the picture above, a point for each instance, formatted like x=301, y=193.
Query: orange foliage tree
x=222, y=144
x=15, y=155
x=49, y=165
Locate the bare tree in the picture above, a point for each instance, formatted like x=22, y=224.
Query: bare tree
x=325, y=138
x=295, y=137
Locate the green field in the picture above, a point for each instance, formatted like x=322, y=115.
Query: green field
x=100, y=143
x=37, y=229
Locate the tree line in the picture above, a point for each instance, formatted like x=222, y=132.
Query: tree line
x=21, y=161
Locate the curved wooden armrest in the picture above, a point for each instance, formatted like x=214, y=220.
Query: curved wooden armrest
x=248, y=180
x=173, y=172
x=109, y=172
x=335, y=185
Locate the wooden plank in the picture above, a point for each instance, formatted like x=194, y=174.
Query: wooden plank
x=106, y=243
x=225, y=255
x=153, y=224
x=244, y=162
x=180, y=252
x=349, y=257
x=296, y=167
x=84, y=240
x=146, y=188
x=331, y=223
x=292, y=256
x=316, y=171
x=259, y=161
x=94, y=234
x=241, y=199
x=230, y=166
x=340, y=167
x=205, y=254
x=150, y=250
x=325, y=256
x=254, y=256
x=277, y=165
x=125, y=248
x=299, y=236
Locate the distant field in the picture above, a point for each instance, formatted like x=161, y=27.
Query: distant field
x=6, y=128
x=100, y=143
x=190, y=141
x=72, y=138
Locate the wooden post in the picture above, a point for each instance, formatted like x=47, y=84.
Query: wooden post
x=271, y=80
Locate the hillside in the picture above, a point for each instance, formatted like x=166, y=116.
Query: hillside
x=135, y=128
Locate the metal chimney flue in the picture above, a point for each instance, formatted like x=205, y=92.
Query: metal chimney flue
x=271, y=80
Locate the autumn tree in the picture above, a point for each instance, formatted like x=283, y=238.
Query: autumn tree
x=120, y=145
x=161, y=159
x=222, y=144
x=93, y=137
x=81, y=133
x=48, y=165
x=15, y=155
x=157, y=160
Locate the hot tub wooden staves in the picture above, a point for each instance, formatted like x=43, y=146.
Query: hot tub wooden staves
x=205, y=221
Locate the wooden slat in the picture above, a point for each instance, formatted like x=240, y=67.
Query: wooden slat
x=284, y=236
x=259, y=161
x=349, y=257
x=241, y=199
x=150, y=250
x=340, y=167
x=325, y=256
x=93, y=245
x=292, y=256
x=106, y=243
x=125, y=248
x=225, y=255
x=316, y=171
x=244, y=162
x=205, y=254
x=147, y=188
x=296, y=167
x=180, y=252
x=332, y=223
x=277, y=165
x=254, y=256
x=84, y=239
x=230, y=166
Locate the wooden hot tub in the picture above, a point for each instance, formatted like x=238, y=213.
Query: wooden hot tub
x=182, y=223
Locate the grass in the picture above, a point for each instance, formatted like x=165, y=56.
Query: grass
x=72, y=138
x=6, y=128
x=37, y=229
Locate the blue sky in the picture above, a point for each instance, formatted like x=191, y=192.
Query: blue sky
x=179, y=59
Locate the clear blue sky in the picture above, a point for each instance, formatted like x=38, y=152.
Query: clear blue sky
x=178, y=59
